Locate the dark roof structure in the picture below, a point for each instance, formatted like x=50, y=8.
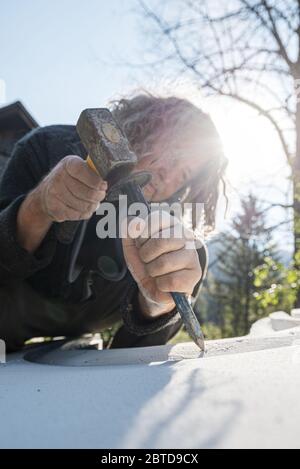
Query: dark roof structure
x=16, y=118
x=15, y=122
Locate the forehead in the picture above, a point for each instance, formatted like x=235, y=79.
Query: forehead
x=189, y=153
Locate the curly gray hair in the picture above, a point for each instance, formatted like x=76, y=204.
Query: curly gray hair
x=147, y=119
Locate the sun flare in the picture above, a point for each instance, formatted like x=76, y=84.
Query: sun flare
x=251, y=146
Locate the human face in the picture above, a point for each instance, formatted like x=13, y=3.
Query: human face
x=170, y=172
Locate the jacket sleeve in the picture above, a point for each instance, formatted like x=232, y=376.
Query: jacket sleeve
x=136, y=323
x=25, y=169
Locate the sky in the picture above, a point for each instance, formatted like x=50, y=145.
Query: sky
x=61, y=56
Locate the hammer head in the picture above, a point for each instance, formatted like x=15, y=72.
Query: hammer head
x=106, y=144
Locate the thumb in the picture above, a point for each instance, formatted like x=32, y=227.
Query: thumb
x=131, y=229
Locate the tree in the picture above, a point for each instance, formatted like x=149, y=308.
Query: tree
x=244, y=50
x=232, y=288
x=279, y=292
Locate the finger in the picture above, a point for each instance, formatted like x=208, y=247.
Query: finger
x=173, y=262
x=155, y=223
x=80, y=170
x=131, y=229
x=72, y=200
x=155, y=247
x=76, y=204
x=180, y=282
x=83, y=192
x=69, y=214
x=65, y=213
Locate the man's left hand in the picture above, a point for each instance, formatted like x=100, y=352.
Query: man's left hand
x=160, y=262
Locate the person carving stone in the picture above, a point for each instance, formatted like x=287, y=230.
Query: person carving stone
x=47, y=182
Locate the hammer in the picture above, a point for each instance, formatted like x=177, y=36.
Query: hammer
x=109, y=155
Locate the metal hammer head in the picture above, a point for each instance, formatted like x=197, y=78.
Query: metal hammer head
x=108, y=148
x=106, y=144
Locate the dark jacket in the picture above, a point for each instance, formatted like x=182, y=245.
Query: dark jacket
x=48, y=268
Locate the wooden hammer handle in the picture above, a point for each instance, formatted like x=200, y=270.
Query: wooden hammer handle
x=66, y=230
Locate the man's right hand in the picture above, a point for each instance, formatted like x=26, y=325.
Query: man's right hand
x=71, y=191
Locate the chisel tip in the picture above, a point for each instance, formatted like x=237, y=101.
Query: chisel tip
x=201, y=343
x=198, y=339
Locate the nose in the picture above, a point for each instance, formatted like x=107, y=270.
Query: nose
x=162, y=173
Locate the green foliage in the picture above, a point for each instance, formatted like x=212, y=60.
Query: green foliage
x=281, y=293
x=229, y=301
x=108, y=334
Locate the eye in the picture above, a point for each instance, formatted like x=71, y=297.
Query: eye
x=153, y=161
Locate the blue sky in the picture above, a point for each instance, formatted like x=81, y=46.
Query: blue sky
x=60, y=56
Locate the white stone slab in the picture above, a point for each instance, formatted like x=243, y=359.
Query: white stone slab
x=295, y=313
x=281, y=321
x=262, y=328
x=230, y=400
x=60, y=353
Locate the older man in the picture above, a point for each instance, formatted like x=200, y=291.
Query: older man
x=47, y=182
